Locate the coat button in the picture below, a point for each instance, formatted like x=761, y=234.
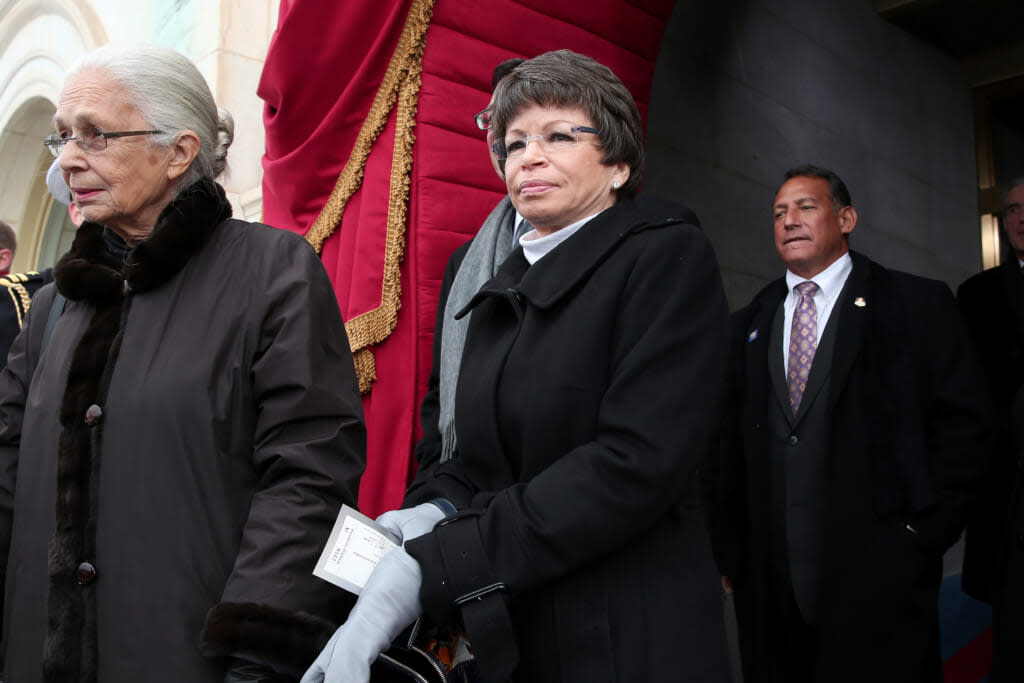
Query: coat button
x=85, y=574
x=793, y=439
x=93, y=415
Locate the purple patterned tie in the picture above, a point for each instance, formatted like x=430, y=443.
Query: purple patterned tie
x=803, y=342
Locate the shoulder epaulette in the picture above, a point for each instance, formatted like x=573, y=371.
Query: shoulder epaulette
x=12, y=279
x=20, y=296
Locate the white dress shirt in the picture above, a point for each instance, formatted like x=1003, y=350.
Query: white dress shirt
x=830, y=283
x=535, y=246
x=518, y=229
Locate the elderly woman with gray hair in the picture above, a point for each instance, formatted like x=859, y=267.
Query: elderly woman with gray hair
x=564, y=534
x=177, y=437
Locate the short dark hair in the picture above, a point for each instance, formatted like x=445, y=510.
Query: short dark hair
x=504, y=69
x=837, y=192
x=566, y=79
x=8, y=239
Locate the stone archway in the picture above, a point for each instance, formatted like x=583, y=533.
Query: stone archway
x=40, y=39
x=25, y=202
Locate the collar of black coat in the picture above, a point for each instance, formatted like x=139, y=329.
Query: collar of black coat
x=90, y=272
x=863, y=269
x=548, y=280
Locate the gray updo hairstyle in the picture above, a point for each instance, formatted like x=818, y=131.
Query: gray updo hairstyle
x=171, y=94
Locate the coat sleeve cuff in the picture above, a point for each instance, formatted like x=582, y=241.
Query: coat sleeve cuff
x=435, y=589
x=286, y=640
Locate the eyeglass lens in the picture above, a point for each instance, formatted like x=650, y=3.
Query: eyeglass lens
x=483, y=119
x=87, y=141
x=557, y=137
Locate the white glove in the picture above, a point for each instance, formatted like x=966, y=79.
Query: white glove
x=389, y=602
x=412, y=522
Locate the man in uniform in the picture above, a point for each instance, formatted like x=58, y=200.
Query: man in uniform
x=16, y=290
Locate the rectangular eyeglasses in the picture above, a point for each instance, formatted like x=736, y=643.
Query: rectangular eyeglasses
x=95, y=141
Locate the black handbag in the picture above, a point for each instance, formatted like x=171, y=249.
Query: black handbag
x=414, y=658
x=407, y=665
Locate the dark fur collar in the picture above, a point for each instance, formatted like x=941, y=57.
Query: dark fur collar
x=90, y=272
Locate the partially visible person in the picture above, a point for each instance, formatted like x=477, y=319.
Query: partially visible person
x=21, y=287
x=172, y=461
x=17, y=291
x=62, y=193
x=573, y=546
x=992, y=303
x=8, y=245
x=857, y=434
x=1008, y=596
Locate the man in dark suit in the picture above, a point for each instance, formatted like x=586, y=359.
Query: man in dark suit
x=993, y=306
x=857, y=417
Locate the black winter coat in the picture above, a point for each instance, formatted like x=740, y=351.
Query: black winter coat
x=992, y=303
x=1008, y=605
x=588, y=398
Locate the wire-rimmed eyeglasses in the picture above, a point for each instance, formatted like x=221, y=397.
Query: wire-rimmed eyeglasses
x=559, y=136
x=94, y=141
x=483, y=118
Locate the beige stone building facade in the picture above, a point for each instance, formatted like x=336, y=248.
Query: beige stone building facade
x=41, y=39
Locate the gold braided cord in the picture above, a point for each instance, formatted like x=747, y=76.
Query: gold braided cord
x=401, y=85
x=14, y=282
x=18, y=295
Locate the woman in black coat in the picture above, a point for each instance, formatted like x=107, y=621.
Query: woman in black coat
x=573, y=546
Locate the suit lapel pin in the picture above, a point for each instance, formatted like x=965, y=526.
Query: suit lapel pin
x=752, y=336
x=859, y=302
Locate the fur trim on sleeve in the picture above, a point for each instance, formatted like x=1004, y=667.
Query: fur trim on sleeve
x=286, y=640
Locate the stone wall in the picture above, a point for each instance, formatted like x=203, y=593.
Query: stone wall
x=745, y=90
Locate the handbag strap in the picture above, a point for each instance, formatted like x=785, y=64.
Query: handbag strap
x=56, y=309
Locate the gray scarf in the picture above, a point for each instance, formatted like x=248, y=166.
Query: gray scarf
x=488, y=250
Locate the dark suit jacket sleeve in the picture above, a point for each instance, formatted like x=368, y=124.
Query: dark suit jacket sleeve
x=956, y=412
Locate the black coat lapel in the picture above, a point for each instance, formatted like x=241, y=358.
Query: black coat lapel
x=776, y=361
x=851, y=312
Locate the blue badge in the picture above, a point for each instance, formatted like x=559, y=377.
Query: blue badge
x=752, y=336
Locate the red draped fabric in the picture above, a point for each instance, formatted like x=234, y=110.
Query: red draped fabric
x=325, y=64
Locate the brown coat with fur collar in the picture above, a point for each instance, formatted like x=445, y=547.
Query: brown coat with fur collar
x=227, y=431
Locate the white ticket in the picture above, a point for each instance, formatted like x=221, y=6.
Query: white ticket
x=353, y=549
